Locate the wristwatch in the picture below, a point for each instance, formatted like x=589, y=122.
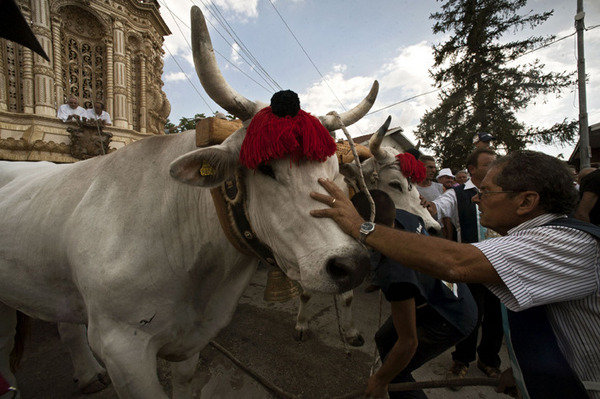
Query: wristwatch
x=365, y=229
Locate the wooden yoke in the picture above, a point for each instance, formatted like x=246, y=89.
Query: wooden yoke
x=211, y=131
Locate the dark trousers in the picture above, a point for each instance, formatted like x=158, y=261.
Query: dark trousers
x=435, y=336
x=489, y=317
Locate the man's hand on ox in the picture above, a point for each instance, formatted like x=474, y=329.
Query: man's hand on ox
x=340, y=208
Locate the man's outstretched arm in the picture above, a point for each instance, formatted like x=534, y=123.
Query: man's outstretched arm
x=434, y=256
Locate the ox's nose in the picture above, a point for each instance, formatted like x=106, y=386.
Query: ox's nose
x=348, y=272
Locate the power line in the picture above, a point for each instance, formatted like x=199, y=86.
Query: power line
x=440, y=88
x=188, y=78
x=307, y=56
x=216, y=51
x=229, y=29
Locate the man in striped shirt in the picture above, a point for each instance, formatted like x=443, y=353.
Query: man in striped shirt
x=531, y=265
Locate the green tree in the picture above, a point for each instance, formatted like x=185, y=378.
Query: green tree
x=482, y=89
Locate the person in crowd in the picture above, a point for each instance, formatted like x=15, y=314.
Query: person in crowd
x=71, y=111
x=427, y=315
x=461, y=177
x=429, y=189
x=446, y=178
x=483, y=140
x=544, y=268
x=98, y=114
x=457, y=205
x=588, y=208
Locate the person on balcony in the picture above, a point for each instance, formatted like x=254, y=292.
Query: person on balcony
x=98, y=114
x=71, y=111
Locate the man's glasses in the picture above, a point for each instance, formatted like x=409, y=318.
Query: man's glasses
x=483, y=194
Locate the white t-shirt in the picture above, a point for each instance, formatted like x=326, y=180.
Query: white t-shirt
x=65, y=110
x=104, y=116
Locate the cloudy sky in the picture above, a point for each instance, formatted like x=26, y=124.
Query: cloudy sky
x=352, y=43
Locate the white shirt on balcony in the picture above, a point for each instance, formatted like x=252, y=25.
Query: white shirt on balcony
x=93, y=116
x=65, y=110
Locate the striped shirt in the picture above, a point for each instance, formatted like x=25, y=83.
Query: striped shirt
x=558, y=267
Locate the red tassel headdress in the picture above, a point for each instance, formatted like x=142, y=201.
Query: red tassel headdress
x=295, y=133
x=411, y=168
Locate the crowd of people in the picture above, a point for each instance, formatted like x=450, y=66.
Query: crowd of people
x=517, y=260
x=73, y=112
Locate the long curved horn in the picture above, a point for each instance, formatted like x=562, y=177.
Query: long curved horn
x=377, y=138
x=210, y=75
x=331, y=123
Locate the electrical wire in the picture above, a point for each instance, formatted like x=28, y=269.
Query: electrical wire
x=307, y=56
x=175, y=16
x=229, y=29
x=440, y=88
x=188, y=78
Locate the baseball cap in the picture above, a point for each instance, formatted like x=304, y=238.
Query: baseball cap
x=483, y=136
x=445, y=172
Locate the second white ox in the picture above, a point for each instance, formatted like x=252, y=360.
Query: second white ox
x=117, y=243
x=381, y=171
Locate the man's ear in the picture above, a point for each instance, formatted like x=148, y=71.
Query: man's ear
x=528, y=202
x=209, y=167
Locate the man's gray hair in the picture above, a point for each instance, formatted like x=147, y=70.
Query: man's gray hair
x=535, y=171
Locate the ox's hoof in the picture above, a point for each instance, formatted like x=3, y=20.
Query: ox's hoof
x=356, y=340
x=98, y=383
x=301, y=335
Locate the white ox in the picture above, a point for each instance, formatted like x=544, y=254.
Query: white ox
x=380, y=172
x=116, y=243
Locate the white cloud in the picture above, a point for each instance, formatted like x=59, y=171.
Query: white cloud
x=235, y=54
x=174, y=76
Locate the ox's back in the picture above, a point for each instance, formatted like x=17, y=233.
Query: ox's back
x=72, y=227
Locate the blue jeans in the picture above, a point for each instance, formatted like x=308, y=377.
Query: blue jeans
x=435, y=335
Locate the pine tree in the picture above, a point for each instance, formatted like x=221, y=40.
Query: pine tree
x=481, y=88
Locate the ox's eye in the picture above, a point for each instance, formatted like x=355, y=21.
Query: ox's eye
x=267, y=170
x=395, y=184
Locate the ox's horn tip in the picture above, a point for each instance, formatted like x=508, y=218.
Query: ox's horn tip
x=384, y=128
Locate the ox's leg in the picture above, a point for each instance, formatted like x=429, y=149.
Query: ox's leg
x=344, y=304
x=130, y=358
x=182, y=374
x=8, y=325
x=89, y=375
x=301, y=332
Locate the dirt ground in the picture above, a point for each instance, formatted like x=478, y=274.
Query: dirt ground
x=260, y=337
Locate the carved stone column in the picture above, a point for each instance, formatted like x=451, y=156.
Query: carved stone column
x=143, y=106
x=129, y=93
x=27, y=81
x=42, y=69
x=109, y=78
x=58, y=78
x=120, y=90
x=3, y=69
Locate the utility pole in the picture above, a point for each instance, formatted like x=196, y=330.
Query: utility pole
x=584, y=133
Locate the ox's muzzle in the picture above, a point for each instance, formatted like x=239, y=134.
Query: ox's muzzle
x=348, y=272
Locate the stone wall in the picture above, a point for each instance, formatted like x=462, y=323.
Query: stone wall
x=109, y=50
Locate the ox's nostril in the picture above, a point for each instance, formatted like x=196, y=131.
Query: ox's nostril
x=348, y=272
x=336, y=269
x=432, y=231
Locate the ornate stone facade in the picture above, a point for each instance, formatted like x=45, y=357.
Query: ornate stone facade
x=101, y=49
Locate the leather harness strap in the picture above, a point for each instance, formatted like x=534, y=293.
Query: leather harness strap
x=230, y=202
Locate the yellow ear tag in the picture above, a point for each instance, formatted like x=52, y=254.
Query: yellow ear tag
x=206, y=169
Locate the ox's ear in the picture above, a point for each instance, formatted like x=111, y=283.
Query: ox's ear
x=351, y=174
x=209, y=167
x=349, y=170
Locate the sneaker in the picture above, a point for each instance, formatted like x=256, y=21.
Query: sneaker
x=457, y=370
x=492, y=372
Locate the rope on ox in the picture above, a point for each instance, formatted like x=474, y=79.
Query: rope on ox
x=363, y=187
